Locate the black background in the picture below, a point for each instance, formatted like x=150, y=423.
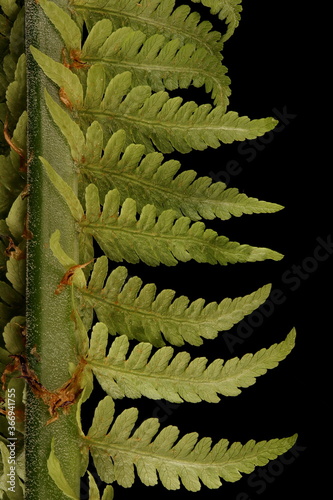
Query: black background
x=273, y=60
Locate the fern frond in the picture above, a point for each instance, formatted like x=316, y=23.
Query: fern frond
x=156, y=61
x=164, y=122
x=11, y=174
x=151, y=17
x=162, y=455
x=165, y=239
x=94, y=493
x=12, y=68
x=227, y=10
x=154, y=240
x=146, y=178
x=68, y=81
x=153, y=60
x=11, y=304
x=150, y=119
x=127, y=307
x=9, y=8
x=16, y=90
x=176, y=379
x=56, y=473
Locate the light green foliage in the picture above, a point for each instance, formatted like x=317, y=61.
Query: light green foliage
x=165, y=239
x=152, y=119
x=155, y=60
x=154, y=16
x=147, y=178
x=137, y=311
x=226, y=10
x=109, y=103
x=175, y=379
x=57, y=474
x=185, y=461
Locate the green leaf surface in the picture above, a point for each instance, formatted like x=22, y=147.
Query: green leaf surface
x=16, y=94
x=56, y=473
x=67, y=126
x=16, y=218
x=64, y=190
x=127, y=307
x=176, y=378
x=14, y=336
x=165, y=239
x=226, y=10
x=9, y=7
x=147, y=178
x=154, y=16
x=67, y=28
x=61, y=75
x=156, y=61
x=189, y=461
x=156, y=120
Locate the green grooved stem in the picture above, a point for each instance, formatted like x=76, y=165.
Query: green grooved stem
x=50, y=330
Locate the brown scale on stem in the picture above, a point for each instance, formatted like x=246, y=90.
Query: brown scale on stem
x=68, y=276
x=60, y=399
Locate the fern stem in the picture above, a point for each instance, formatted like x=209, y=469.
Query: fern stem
x=49, y=328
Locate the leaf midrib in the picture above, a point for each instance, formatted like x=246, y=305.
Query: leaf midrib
x=240, y=372
x=165, y=124
x=186, y=238
x=131, y=64
x=153, y=314
x=157, y=456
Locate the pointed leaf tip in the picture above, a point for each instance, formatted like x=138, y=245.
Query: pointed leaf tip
x=56, y=473
x=64, y=190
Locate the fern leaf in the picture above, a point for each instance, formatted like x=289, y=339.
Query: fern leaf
x=56, y=473
x=65, y=190
x=11, y=304
x=11, y=175
x=227, y=10
x=154, y=240
x=62, y=76
x=16, y=269
x=156, y=61
x=13, y=336
x=188, y=460
x=94, y=490
x=16, y=218
x=150, y=119
x=127, y=307
x=177, y=379
x=10, y=8
x=66, y=26
x=151, y=17
x=153, y=60
x=156, y=119
x=146, y=178
x=16, y=90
